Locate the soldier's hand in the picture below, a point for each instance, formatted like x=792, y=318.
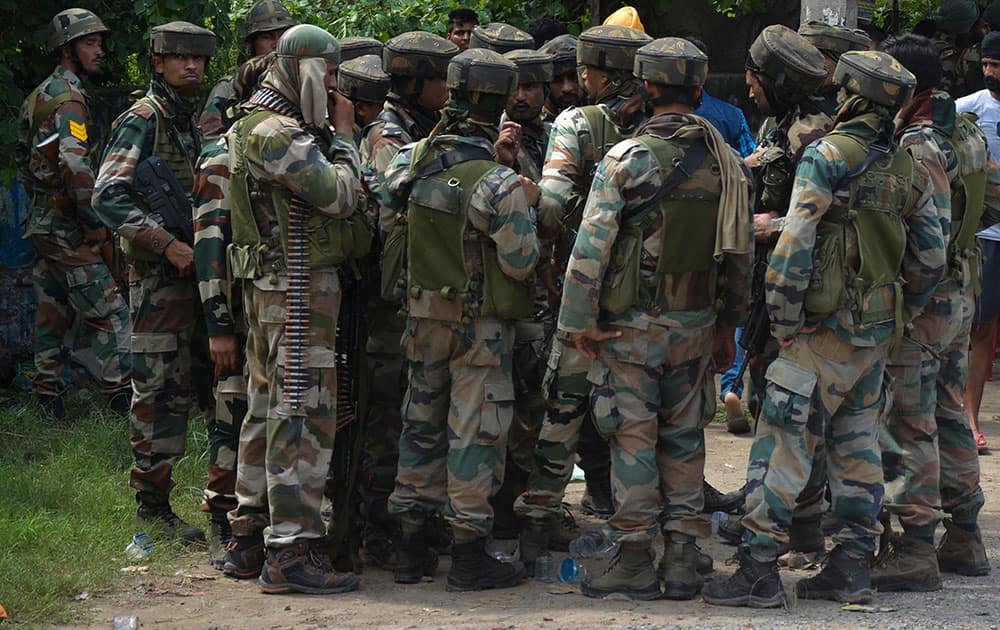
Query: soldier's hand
x=753, y=160
x=341, y=112
x=762, y=229
x=724, y=348
x=225, y=354
x=531, y=190
x=547, y=276
x=508, y=145
x=180, y=256
x=586, y=341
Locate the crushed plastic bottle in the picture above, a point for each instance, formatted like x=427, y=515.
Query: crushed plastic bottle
x=718, y=520
x=123, y=622
x=140, y=547
x=593, y=545
x=571, y=571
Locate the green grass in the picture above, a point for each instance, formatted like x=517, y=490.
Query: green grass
x=66, y=511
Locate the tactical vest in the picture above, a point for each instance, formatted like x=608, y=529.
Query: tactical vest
x=35, y=119
x=441, y=242
x=871, y=225
x=168, y=146
x=604, y=134
x=332, y=241
x=688, y=215
x=968, y=194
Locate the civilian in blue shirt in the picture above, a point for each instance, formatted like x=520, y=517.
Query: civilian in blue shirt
x=728, y=119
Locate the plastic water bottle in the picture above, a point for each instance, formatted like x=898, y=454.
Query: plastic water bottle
x=545, y=570
x=140, y=547
x=593, y=545
x=571, y=572
x=126, y=623
x=718, y=520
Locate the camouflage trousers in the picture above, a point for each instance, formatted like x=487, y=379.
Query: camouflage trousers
x=73, y=285
x=287, y=455
x=654, y=393
x=929, y=454
x=224, y=425
x=457, y=412
x=821, y=393
x=566, y=429
x=169, y=351
x=529, y=403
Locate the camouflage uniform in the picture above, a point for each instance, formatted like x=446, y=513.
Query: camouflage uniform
x=569, y=155
x=955, y=18
x=169, y=347
x=72, y=281
x=562, y=51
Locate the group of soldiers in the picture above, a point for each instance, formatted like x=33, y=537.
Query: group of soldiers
x=422, y=280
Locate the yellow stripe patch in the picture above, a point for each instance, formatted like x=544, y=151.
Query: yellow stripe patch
x=78, y=130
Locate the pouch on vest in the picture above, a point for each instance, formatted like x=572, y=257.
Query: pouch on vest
x=969, y=193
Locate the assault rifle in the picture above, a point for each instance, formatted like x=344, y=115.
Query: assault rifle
x=164, y=196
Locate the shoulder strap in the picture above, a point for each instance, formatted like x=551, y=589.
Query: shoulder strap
x=452, y=158
x=390, y=117
x=49, y=108
x=874, y=151
x=683, y=169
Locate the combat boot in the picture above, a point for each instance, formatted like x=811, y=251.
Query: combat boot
x=715, y=501
x=154, y=513
x=244, y=556
x=630, y=574
x=906, y=564
x=472, y=569
x=506, y=524
x=533, y=542
x=219, y=533
x=300, y=568
x=562, y=530
x=731, y=531
x=844, y=578
x=679, y=568
x=755, y=584
x=415, y=559
x=962, y=552
x=805, y=536
x=598, y=500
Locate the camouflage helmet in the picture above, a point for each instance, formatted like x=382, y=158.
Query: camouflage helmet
x=610, y=47
x=671, y=61
x=834, y=40
x=788, y=59
x=266, y=15
x=308, y=40
x=957, y=16
x=482, y=70
x=877, y=76
x=418, y=54
x=354, y=47
x=182, y=38
x=532, y=66
x=72, y=24
x=562, y=50
x=501, y=38
x=362, y=79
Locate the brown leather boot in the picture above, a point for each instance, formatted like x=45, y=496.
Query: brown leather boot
x=962, y=552
x=300, y=568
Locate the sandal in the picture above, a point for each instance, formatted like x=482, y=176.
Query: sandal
x=981, y=444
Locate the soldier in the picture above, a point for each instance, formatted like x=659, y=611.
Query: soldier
x=501, y=38
x=835, y=307
x=71, y=274
x=954, y=19
x=564, y=89
x=354, y=47
x=293, y=185
x=460, y=25
x=167, y=334
x=417, y=64
x=464, y=285
x=930, y=368
x=578, y=141
x=264, y=24
x=779, y=56
x=362, y=81
x=534, y=73
x=659, y=278
x=832, y=41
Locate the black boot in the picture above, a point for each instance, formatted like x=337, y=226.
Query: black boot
x=843, y=579
x=679, y=569
x=731, y=532
x=472, y=569
x=416, y=558
x=715, y=501
x=154, y=512
x=805, y=536
x=506, y=524
x=755, y=584
x=219, y=533
x=245, y=556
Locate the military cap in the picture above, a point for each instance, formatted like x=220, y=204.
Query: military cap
x=418, y=54
x=610, y=47
x=671, y=61
x=309, y=40
x=501, y=38
x=835, y=40
x=267, y=15
x=877, y=76
x=482, y=70
x=957, y=16
x=788, y=59
x=354, y=47
x=562, y=50
x=532, y=66
x=362, y=79
x=182, y=38
x=72, y=24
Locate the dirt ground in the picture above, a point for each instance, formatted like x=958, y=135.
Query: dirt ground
x=199, y=597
